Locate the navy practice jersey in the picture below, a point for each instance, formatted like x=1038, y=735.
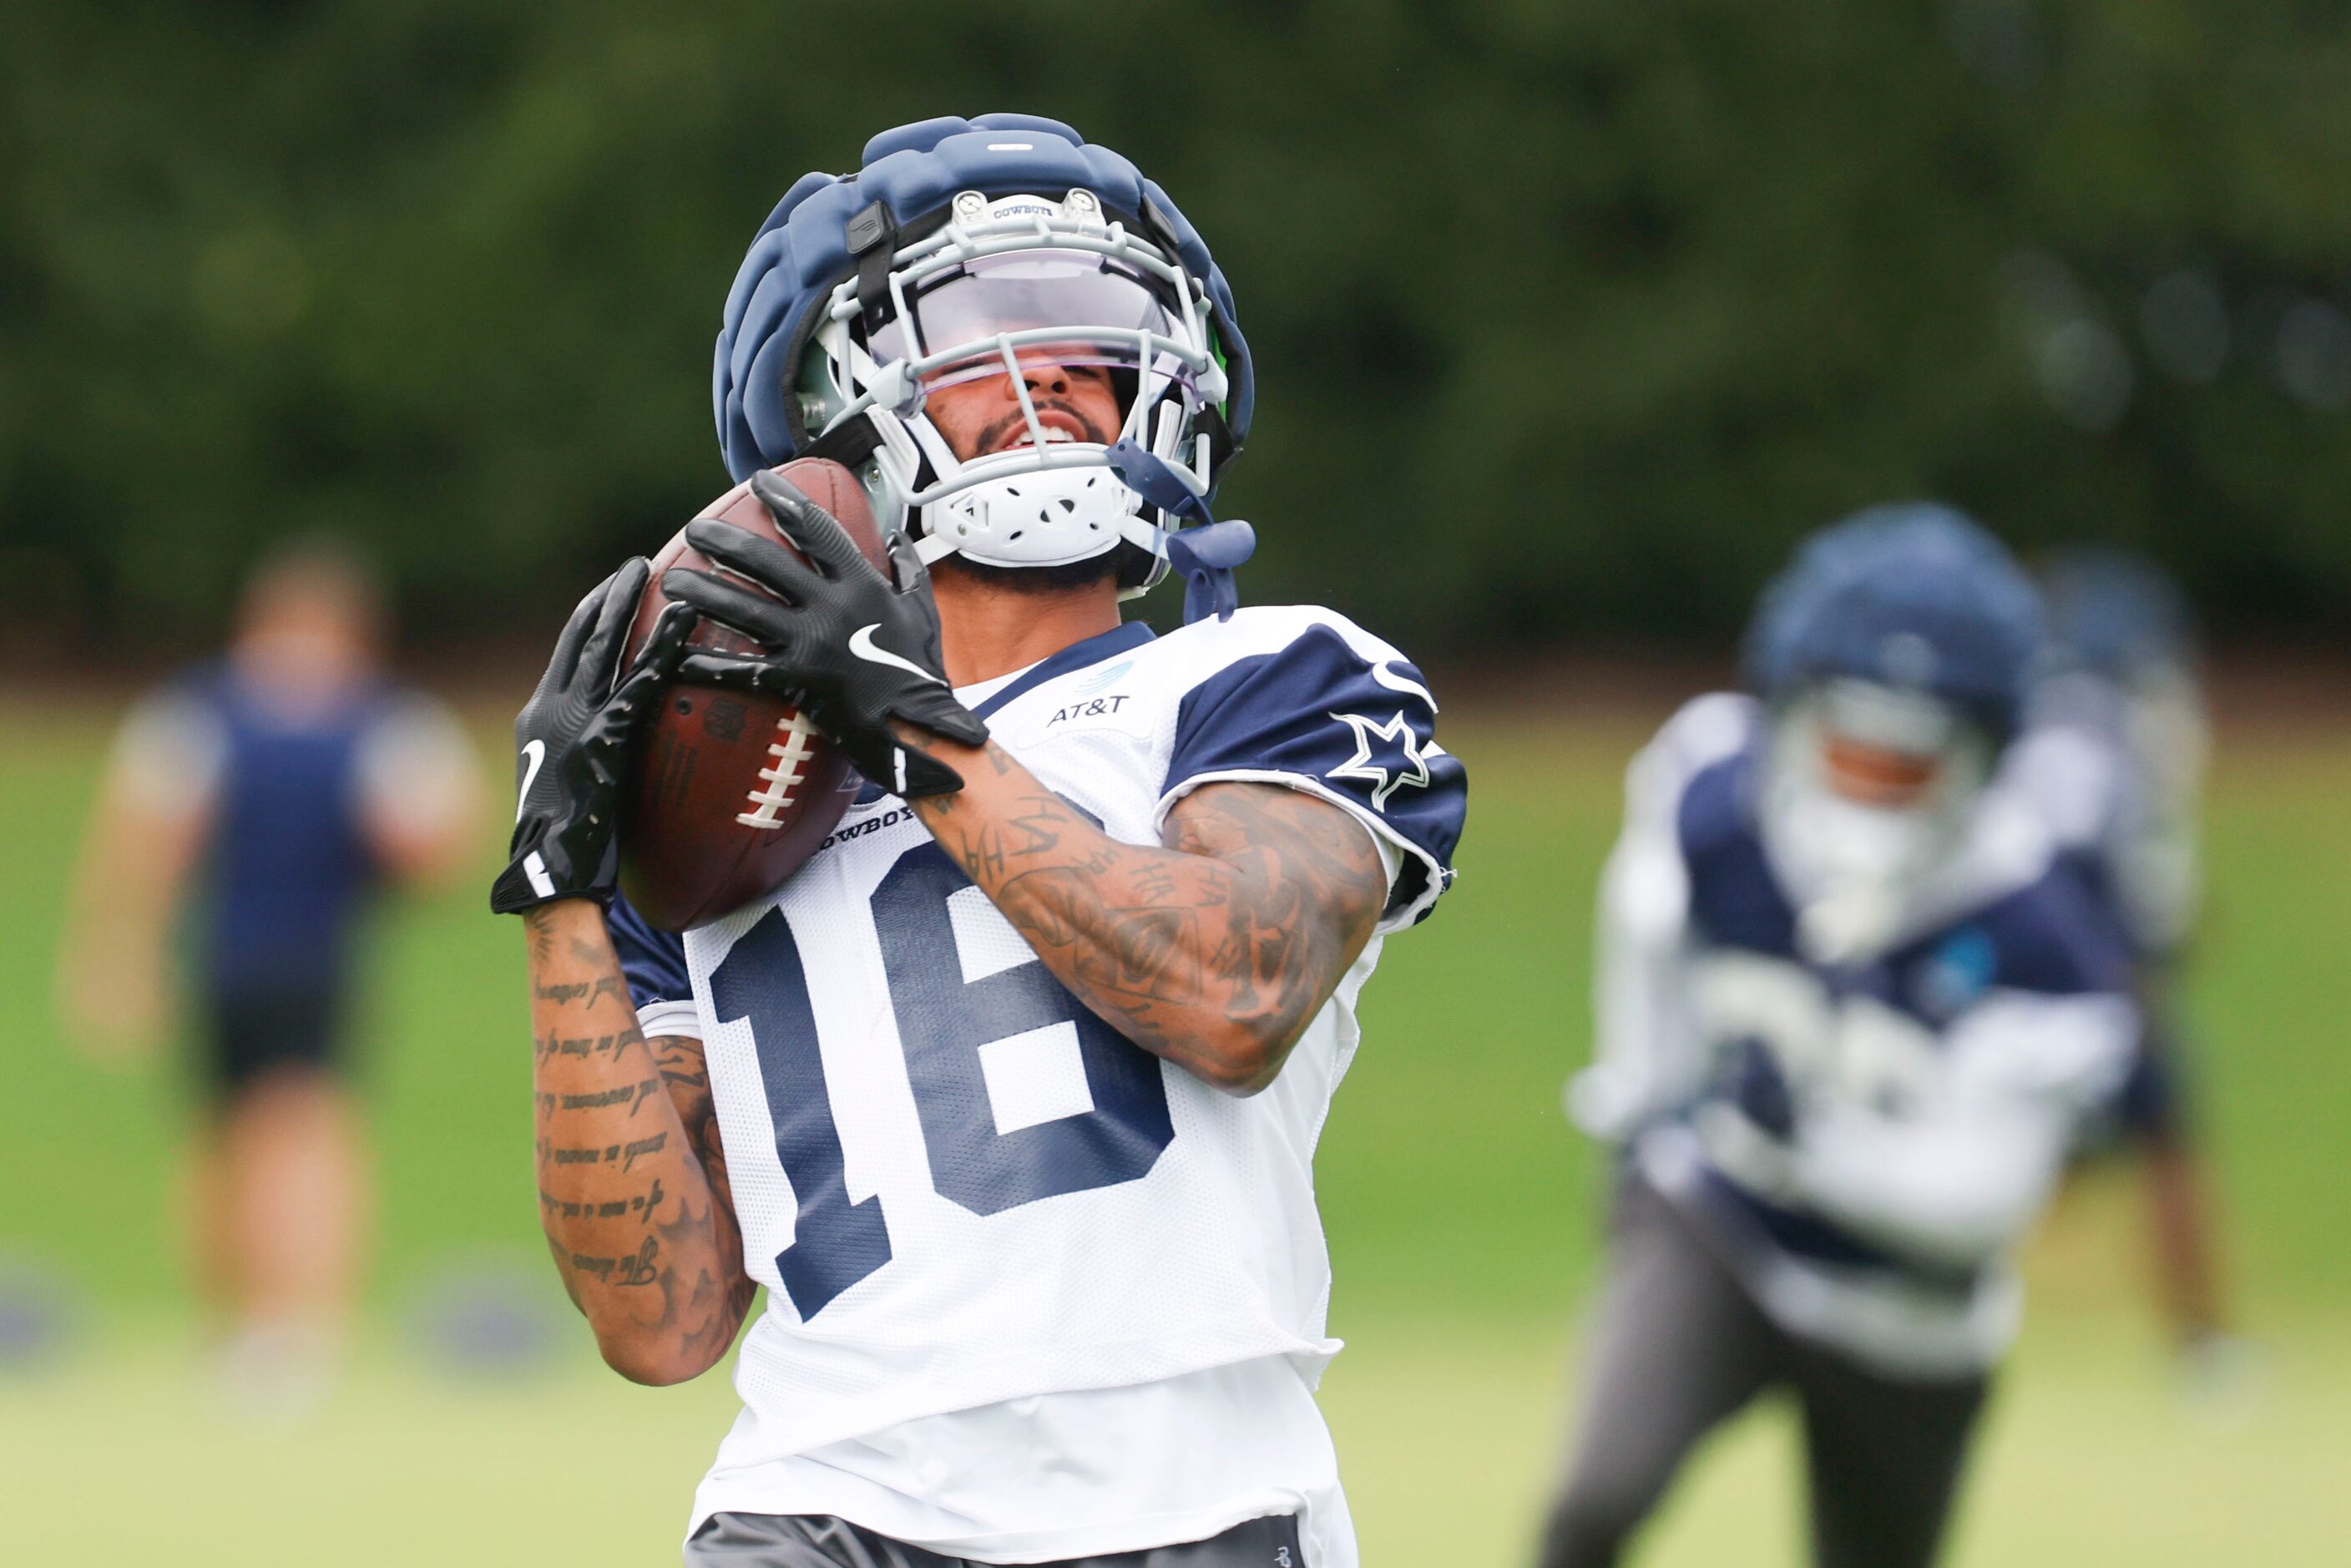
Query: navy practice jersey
x=292, y=797
x=974, y=1205
x=1866, y=1141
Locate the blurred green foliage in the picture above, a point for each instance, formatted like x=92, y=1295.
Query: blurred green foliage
x=1569, y=314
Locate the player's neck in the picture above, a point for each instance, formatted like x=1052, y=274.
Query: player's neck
x=986, y=629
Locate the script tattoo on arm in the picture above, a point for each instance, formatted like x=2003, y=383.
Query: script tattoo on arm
x=633, y=1190
x=686, y=1076
x=1213, y=949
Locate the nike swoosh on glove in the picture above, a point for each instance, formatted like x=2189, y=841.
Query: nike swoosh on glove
x=854, y=648
x=572, y=744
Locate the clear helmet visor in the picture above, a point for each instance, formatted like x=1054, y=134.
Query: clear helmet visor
x=1082, y=307
x=1091, y=341
x=1084, y=391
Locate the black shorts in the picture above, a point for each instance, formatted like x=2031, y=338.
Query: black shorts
x=2151, y=1107
x=772, y=1541
x=251, y=1033
x=1678, y=1346
x=2150, y=1110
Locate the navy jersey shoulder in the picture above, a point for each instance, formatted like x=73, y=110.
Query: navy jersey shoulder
x=1312, y=700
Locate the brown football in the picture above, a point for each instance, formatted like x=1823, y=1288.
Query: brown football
x=733, y=793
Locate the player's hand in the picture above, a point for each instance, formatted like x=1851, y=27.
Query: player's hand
x=857, y=649
x=573, y=741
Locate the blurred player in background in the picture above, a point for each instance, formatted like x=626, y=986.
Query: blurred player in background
x=2113, y=758
x=252, y=807
x=1853, y=1012
x=1019, y=1078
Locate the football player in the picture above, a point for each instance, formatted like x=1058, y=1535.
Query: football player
x=1851, y=1013
x=1009, y=1096
x=2113, y=757
x=264, y=800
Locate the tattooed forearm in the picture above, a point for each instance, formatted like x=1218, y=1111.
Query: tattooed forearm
x=587, y=991
x=631, y=1095
x=642, y=1207
x=539, y=933
x=633, y=1192
x=604, y=1154
x=684, y=1070
x=548, y=1045
x=1213, y=949
x=622, y=1272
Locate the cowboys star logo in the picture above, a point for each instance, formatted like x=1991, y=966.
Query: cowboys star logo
x=1387, y=757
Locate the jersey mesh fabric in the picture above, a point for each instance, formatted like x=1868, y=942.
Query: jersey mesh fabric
x=1003, y=1212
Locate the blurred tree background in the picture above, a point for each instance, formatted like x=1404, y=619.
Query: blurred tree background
x=1570, y=315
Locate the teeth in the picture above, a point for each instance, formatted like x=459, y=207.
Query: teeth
x=1053, y=434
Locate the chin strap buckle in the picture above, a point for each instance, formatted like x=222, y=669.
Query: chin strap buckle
x=1204, y=553
x=872, y=236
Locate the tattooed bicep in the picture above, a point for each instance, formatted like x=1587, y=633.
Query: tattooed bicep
x=1318, y=848
x=686, y=1076
x=683, y=1069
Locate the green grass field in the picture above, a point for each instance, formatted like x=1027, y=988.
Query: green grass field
x=1461, y=1210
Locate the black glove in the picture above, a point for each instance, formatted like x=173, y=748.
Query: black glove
x=573, y=741
x=855, y=649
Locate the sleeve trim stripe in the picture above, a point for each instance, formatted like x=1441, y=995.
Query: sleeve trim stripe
x=679, y=1018
x=1432, y=884
x=1386, y=676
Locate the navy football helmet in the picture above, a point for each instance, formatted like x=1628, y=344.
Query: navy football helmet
x=969, y=250
x=1896, y=653
x=2122, y=735
x=2116, y=614
x=1914, y=595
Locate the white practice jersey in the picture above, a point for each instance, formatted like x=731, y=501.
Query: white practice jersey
x=986, y=1222
x=1934, y=1085
x=2115, y=771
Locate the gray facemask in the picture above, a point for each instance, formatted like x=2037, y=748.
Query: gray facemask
x=1853, y=853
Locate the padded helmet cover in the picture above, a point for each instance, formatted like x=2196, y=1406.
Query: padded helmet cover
x=1913, y=594
x=2115, y=614
x=802, y=251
